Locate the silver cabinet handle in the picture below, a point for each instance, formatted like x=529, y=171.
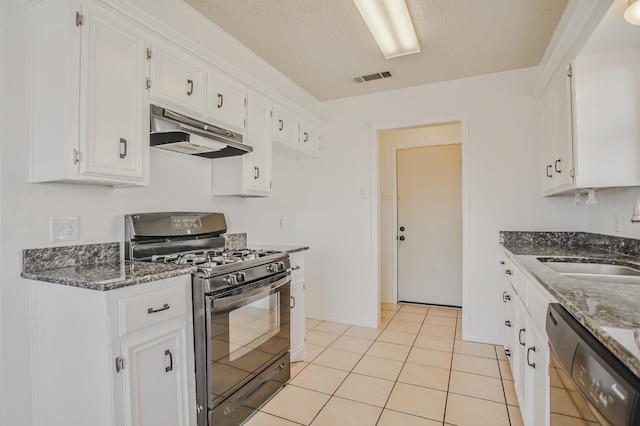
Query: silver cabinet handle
x=123, y=143
x=293, y=302
x=508, y=272
x=280, y=125
x=548, y=172
x=555, y=166
x=507, y=352
x=507, y=323
x=505, y=297
x=295, y=268
x=502, y=262
x=522, y=330
x=256, y=175
x=153, y=311
x=220, y=100
x=190, y=89
x=170, y=367
x=306, y=137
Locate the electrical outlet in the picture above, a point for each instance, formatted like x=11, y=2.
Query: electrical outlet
x=65, y=229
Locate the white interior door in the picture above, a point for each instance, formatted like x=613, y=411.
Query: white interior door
x=429, y=262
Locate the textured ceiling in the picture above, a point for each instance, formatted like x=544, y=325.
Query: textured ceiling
x=322, y=44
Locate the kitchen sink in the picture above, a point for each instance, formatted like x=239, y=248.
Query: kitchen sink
x=602, y=272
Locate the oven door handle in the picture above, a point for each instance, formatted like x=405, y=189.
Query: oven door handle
x=224, y=303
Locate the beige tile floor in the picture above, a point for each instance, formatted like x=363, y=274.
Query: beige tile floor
x=413, y=370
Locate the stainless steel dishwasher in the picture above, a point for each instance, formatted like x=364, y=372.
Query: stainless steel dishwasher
x=588, y=384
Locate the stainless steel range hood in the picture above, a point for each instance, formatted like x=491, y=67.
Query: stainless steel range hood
x=176, y=132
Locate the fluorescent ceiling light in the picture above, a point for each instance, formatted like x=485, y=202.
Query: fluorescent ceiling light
x=390, y=23
x=632, y=14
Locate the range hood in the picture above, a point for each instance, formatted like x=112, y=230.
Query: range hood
x=176, y=132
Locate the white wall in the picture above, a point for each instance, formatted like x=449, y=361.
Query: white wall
x=388, y=141
x=614, y=205
x=25, y=208
x=340, y=215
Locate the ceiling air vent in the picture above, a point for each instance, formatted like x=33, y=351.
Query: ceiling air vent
x=371, y=77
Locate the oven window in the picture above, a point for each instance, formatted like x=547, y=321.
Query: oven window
x=252, y=325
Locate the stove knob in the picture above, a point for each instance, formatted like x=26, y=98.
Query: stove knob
x=240, y=277
x=230, y=280
x=280, y=266
x=272, y=267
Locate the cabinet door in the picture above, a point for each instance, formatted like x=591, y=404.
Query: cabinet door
x=557, y=142
x=285, y=128
x=112, y=136
x=177, y=81
x=297, y=322
x=310, y=138
x=226, y=104
x=155, y=379
x=259, y=136
x=537, y=379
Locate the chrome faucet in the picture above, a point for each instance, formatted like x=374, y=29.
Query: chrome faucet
x=635, y=218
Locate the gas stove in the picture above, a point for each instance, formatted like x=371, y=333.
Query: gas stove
x=241, y=309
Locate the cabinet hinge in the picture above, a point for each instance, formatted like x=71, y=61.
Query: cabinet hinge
x=572, y=172
x=148, y=84
x=79, y=19
x=76, y=156
x=569, y=71
x=149, y=53
x=119, y=364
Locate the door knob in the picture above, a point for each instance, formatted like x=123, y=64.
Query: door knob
x=401, y=228
x=401, y=238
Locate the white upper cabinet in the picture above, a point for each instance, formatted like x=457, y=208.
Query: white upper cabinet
x=177, y=81
x=226, y=103
x=590, y=124
x=87, y=96
x=285, y=128
x=249, y=175
x=606, y=119
x=310, y=138
x=557, y=139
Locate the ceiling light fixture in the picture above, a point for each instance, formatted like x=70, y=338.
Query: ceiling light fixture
x=390, y=23
x=632, y=14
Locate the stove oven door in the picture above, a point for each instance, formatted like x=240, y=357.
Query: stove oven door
x=247, y=334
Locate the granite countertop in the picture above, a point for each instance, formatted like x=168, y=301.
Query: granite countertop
x=617, y=312
x=277, y=247
x=109, y=276
x=94, y=267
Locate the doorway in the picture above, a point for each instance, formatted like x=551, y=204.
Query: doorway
x=429, y=223
x=392, y=141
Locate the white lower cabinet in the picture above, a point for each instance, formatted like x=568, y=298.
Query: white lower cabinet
x=525, y=341
x=297, y=351
x=119, y=357
x=155, y=376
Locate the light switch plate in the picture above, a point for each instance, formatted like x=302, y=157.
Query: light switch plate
x=65, y=229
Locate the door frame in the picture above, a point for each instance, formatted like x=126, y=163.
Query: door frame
x=395, y=147
x=374, y=174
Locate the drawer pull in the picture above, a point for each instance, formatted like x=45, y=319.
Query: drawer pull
x=508, y=272
x=295, y=268
x=505, y=297
x=507, y=352
x=293, y=302
x=507, y=323
x=522, y=330
x=153, y=311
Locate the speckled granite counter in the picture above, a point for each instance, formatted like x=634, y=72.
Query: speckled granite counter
x=286, y=248
x=618, y=310
x=94, y=267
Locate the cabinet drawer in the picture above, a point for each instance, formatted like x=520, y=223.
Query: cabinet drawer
x=141, y=311
x=297, y=269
